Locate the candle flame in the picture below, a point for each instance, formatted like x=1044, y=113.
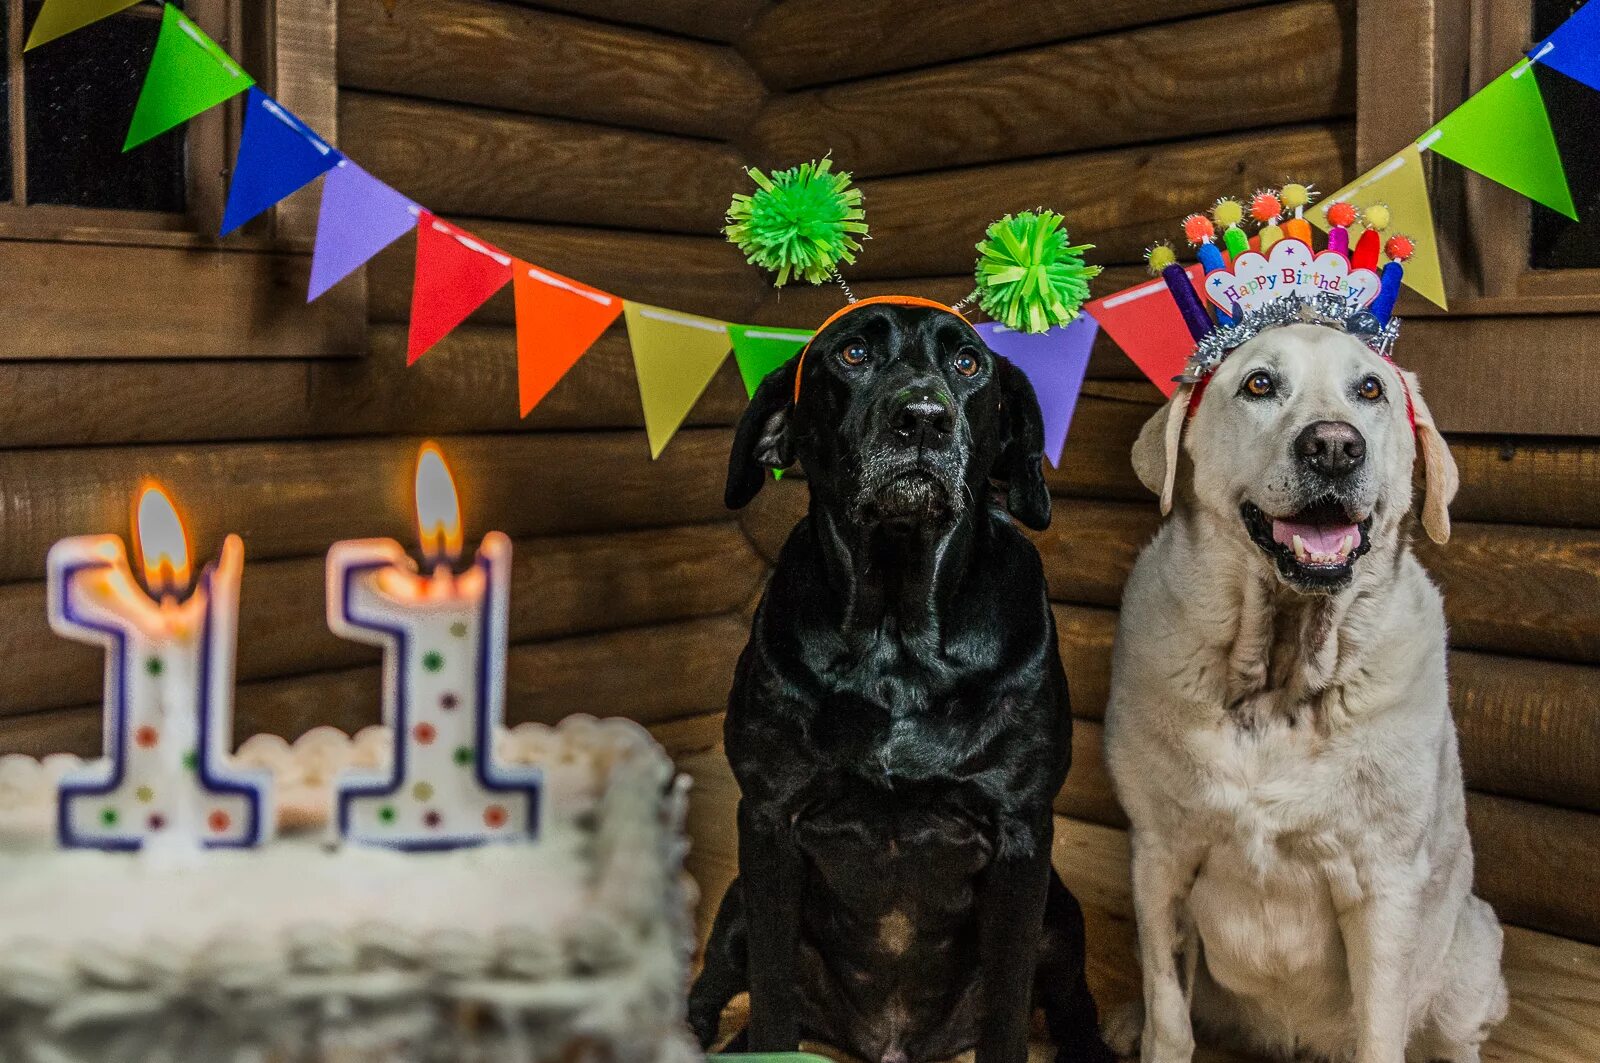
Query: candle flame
x=163, y=543
x=438, y=511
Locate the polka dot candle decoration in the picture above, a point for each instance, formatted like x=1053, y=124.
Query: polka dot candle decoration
x=168, y=713
x=444, y=638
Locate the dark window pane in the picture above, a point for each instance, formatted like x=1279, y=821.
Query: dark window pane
x=80, y=95
x=1558, y=242
x=5, y=109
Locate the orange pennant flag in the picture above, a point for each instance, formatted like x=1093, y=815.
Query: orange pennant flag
x=558, y=319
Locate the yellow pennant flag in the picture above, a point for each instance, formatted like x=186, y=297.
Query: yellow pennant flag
x=1398, y=183
x=61, y=17
x=675, y=356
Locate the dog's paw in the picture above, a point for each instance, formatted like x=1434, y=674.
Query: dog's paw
x=1122, y=1027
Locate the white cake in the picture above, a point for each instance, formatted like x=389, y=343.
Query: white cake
x=576, y=946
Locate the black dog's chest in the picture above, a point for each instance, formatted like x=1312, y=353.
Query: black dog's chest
x=900, y=730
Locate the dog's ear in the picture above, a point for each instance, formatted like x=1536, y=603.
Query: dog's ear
x=1440, y=478
x=1155, y=452
x=764, y=439
x=1020, y=464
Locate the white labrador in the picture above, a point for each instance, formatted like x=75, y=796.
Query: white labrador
x=1279, y=730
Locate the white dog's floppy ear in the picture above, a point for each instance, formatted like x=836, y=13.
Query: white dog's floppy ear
x=1155, y=452
x=1440, y=477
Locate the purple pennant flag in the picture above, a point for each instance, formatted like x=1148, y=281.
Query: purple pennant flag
x=1054, y=363
x=360, y=216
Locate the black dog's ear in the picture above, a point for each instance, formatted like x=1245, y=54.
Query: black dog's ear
x=763, y=440
x=1020, y=463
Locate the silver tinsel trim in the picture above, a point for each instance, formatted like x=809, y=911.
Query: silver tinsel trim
x=1324, y=309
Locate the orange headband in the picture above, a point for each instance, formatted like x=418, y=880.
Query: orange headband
x=893, y=300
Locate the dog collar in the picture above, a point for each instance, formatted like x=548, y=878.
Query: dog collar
x=876, y=300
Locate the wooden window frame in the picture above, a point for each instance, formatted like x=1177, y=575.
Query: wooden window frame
x=1418, y=60
x=136, y=284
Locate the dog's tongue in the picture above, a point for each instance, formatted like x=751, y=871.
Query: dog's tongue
x=1318, y=539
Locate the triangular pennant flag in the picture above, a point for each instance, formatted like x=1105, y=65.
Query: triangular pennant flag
x=1054, y=362
x=1503, y=132
x=61, y=17
x=1398, y=183
x=1147, y=325
x=278, y=155
x=189, y=73
x=360, y=216
x=456, y=274
x=558, y=319
x=759, y=350
x=675, y=356
x=1574, y=48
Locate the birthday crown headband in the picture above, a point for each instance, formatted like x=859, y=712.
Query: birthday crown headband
x=1279, y=278
x=803, y=222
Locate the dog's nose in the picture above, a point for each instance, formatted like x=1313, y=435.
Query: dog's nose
x=921, y=410
x=1331, y=448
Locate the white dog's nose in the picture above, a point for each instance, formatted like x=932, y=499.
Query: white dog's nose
x=1331, y=448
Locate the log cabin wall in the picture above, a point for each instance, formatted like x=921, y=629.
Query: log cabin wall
x=572, y=138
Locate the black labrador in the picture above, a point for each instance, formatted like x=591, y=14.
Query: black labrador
x=899, y=721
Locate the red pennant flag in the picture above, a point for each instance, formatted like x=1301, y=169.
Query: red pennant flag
x=1146, y=323
x=456, y=274
x=558, y=319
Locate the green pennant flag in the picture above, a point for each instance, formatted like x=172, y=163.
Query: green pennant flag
x=61, y=17
x=675, y=355
x=1503, y=132
x=759, y=350
x=189, y=74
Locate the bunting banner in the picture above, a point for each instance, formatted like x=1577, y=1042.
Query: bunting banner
x=359, y=216
x=1146, y=323
x=456, y=274
x=277, y=157
x=1503, y=132
x=1574, y=48
x=759, y=350
x=675, y=355
x=1054, y=362
x=61, y=17
x=558, y=319
x=189, y=74
x=1398, y=183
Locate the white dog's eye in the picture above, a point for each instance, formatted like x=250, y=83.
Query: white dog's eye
x=1371, y=389
x=853, y=353
x=966, y=361
x=1259, y=384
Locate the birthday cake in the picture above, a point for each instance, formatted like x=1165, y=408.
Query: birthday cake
x=572, y=945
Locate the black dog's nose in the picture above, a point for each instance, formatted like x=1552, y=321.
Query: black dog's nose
x=1331, y=448
x=921, y=409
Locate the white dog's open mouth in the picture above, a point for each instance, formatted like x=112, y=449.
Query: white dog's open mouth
x=1314, y=547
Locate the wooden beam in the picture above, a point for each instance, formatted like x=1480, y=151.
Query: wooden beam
x=711, y=20
x=1155, y=188
x=519, y=59
x=699, y=274
x=472, y=161
x=1028, y=103
x=468, y=383
x=814, y=42
x=295, y=499
x=560, y=587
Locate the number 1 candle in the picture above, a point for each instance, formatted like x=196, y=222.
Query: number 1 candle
x=168, y=717
x=444, y=639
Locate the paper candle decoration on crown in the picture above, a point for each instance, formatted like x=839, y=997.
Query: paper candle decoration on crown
x=443, y=635
x=168, y=715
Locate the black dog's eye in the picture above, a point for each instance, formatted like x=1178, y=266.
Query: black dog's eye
x=966, y=361
x=1259, y=384
x=1371, y=389
x=853, y=353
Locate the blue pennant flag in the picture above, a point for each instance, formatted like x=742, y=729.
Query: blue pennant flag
x=1574, y=48
x=278, y=155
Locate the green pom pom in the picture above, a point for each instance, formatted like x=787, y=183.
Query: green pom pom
x=1028, y=278
x=801, y=222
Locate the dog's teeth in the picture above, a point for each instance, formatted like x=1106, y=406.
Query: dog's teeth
x=1299, y=549
x=1345, y=546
